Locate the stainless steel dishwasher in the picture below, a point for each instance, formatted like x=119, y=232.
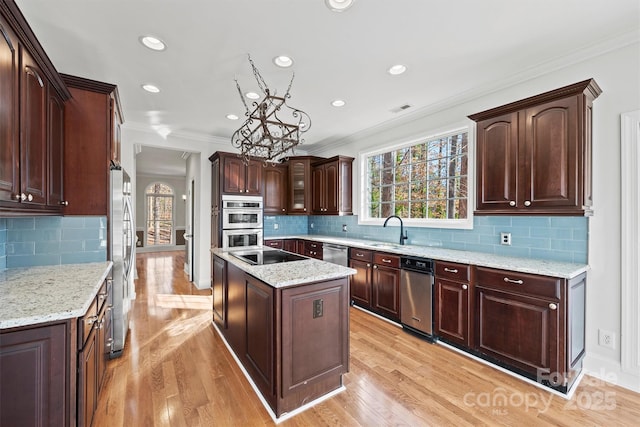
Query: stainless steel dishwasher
x=336, y=254
x=416, y=295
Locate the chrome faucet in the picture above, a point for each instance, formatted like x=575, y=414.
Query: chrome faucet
x=403, y=234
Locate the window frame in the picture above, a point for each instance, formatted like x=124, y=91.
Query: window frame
x=146, y=213
x=467, y=223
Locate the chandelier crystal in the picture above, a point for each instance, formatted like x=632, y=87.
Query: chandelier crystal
x=272, y=128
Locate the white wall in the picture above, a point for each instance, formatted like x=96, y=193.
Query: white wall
x=131, y=136
x=617, y=73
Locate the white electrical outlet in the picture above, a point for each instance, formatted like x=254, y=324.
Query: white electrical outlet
x=606, y=339
x=344, y=227
x=505, y=239
x=275, y=226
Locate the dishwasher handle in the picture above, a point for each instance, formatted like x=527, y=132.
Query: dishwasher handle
x=335, y=247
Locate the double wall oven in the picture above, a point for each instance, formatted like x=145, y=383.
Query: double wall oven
x=241, y=221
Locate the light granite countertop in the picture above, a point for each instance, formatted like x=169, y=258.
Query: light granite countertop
x=34, y=295
x=284, y=274
x=565, y=270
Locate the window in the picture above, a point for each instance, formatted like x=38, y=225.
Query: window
x=425, y=182
x=159, y=205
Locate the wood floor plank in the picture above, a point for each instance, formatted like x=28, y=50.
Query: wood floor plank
x=176, y=371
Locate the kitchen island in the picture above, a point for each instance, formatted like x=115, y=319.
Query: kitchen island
x=287, y=325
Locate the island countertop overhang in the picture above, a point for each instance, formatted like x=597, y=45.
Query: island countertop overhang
x=285, y=274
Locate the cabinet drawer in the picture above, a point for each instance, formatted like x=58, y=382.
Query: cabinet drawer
x=360, y=254
x=85, y=323
x=274, y=243
x=388, y=260
x=452, y=271
x=529, y=284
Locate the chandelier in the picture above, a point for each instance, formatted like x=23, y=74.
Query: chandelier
x=272, y=128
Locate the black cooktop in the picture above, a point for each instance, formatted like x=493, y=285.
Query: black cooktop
x=266, y=256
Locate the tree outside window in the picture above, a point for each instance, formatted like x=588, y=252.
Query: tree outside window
x=425, y=180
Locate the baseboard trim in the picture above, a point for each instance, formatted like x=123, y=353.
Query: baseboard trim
x=611, y=372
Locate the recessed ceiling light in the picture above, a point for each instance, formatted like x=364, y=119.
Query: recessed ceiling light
x=397, y=69
x=232, y=117
x=252, y=95
x=153, y=43
x=151, y=88
x=338, y=103
x=283, y=61
x=339, y=5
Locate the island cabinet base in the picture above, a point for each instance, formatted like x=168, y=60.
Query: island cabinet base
x=292, y=343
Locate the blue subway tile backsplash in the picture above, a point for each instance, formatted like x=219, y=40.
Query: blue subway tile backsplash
x=552, y=238
x=52, y=240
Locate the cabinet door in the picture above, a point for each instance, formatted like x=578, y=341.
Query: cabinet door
x=275, y=190
x=55, y=139
x=331, y=203
x=9, y=131
x=33, y=142
x=318, y=189
x=518, y=330
x=236, y=309
x=260, y=349
x=88, y=380
x=497, y=162
x=34, y=371
x=219, y=291
x=253, y=178
x=233, y=170
x=386, y=291
x=290, y=245
x=299, y=177
x=551, y=150
x=361, y=283
x=452, y=311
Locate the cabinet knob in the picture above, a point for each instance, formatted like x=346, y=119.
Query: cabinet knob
x=30, y=197
x=512, y=203
x=553, y=306
x=64, y=203
x=23, y=197
x=17, y=197
x=305, y=209
x=368, y=265
x=283, y=209
x=375, y=266
x=465, y=287
x=527, y=203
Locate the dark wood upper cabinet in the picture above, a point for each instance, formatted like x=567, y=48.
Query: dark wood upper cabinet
x=33, y=132
x=88, y=145
x=9, y=131
x=275, y=189
x=300, y=185
x=55, y=136
x=241, y=178
x=30, y=125
x=332, y=186
x=534, y=155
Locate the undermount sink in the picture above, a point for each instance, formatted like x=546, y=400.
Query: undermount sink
x=386, y=245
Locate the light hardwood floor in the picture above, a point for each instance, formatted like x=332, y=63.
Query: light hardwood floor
x=175, y=371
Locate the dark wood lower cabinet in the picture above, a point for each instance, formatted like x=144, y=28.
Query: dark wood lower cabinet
x=88, y=379
x=361, y=283
x=453, y=305
x=532, y=324
x=35, y=386
x=219, y=292
x=293, y=342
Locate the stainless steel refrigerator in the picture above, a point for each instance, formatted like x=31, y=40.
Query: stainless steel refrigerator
x=122, y=252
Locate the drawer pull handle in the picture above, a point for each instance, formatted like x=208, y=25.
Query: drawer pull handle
x=91, y=320
x=451, y=270
x=360, y=255
x=464, y=287
x=553, y=306
x=388, y=261
x=517, y=282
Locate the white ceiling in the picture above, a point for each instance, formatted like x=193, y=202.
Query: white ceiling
x=453, y=49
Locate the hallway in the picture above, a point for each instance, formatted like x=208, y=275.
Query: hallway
x=176, y=371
